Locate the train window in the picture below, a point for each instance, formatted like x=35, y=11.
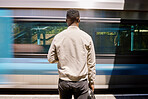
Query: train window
x=133, y=38
x=35, y=37
x=104, y=36
x=109, y=38
x=140, y=37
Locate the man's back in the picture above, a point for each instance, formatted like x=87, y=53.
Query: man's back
x=72, y=46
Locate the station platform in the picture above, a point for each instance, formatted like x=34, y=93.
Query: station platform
x=98, y=96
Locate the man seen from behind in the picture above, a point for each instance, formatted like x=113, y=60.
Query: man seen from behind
x=73, y=49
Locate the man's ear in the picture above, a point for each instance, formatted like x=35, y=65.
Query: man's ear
x=79, y=20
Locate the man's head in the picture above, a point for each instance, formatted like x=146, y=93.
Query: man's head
x=72, y=16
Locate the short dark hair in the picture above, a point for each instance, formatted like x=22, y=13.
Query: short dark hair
x=73, y=14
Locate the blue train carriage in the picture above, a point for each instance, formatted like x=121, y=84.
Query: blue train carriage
x=121, y=58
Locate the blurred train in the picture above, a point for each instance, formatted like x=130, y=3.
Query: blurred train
x=119, y=29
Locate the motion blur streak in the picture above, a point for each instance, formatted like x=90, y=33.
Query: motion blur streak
x=5, y=43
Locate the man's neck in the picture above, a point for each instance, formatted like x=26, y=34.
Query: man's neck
x=75, y=24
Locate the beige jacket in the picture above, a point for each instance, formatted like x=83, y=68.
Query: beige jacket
x=73, y=49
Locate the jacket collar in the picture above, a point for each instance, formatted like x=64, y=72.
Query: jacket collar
x=73, y=27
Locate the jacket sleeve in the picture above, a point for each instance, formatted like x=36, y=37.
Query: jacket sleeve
x=91, y=62
x=52, y=54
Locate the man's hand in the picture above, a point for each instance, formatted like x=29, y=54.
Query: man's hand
x=92, y=87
